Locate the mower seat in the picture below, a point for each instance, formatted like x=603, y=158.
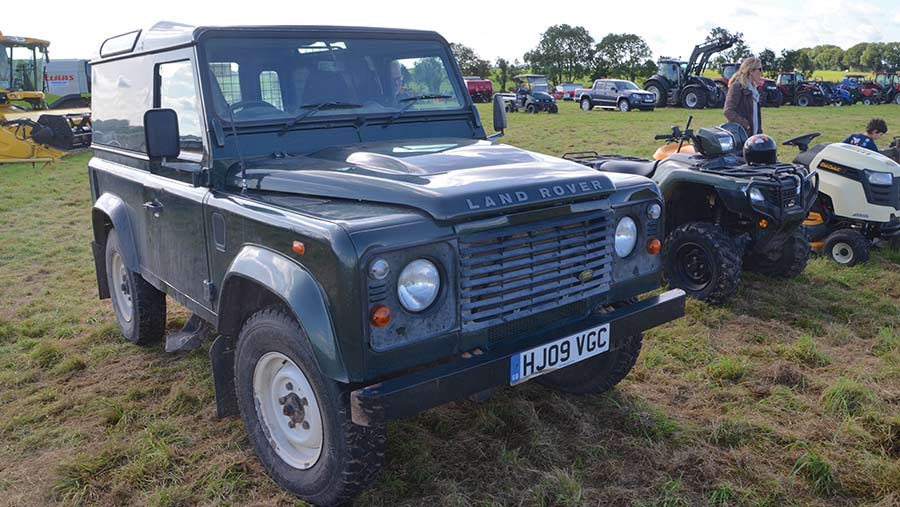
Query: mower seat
x=805, y=158
x=641, y=168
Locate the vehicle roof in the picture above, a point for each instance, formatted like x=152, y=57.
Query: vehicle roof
x=168, y=34
x=23, y=41
x=529, y=75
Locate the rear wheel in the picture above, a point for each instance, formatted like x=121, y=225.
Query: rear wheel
x=298, y=420
x=868, y=101
x=624, y=106
x=140, y=308
x=693, y=99
x=788, y=261
x=803, y=100
x=530, y=109
x=586, y=104
x=847, y=247
x=897, y=99
x=553, y=109
x=660, y=93
x=701, y=259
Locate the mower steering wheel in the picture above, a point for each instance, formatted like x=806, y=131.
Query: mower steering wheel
x=803, y=141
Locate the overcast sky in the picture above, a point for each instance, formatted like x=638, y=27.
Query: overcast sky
x=494, y=29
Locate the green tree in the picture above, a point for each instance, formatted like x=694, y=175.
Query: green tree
x=737, y=52
x=503, y=66
x=769, y=62
x=871, y=58
x=563, y=53
x=796, y=59
x=469, y=62
x=891, y=55
x=827, y=57
x=851, y=57
x=429, y=71
x=621, y=55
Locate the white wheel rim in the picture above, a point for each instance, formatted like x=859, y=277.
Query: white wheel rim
x=585, y=105
x=690, y=100
x=122, y=289
x=623, y=106
x=842, y=253
x=279, y=388
x=654, y=91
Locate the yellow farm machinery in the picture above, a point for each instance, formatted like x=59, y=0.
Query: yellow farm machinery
x=29, y=130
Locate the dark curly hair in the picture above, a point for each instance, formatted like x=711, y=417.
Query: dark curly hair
x=876, y=125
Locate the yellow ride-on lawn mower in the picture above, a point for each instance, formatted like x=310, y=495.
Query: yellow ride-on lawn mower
x=29, y=130
x=859, y=198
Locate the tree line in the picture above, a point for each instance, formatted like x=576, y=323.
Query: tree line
x=569, y=53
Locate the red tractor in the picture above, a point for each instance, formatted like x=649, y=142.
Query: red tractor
x=769, y=93
x=480, y=89
x=890, y=86
x=798, y=91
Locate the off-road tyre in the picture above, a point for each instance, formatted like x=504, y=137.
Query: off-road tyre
x=351, y=456
x=597, y=374
x=530, y=109
x=847, y=247
x=791, y=261
x=553, y=109
x=660, y=93
x=868, y=101
x=586, y=104
x=146, y=323
x=624, y=106
x=693, y=98
x=710, y=255
x=803, y=100
x=776, y=98
x=897, y=98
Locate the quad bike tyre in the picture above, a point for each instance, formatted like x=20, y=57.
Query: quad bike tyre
x=701, y=259
x=789, y=262
x=530, y=109
x=297, y=419
x=624, y=106
x=693, y=98
x=140, y=308
x=847, y=247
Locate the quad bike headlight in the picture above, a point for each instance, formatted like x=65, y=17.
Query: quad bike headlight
x=880, y=178
x=418, y=285
x=626, y=236
x=756, y=195
x=654, y=211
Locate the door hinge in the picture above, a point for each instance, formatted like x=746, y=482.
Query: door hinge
x=209, y=290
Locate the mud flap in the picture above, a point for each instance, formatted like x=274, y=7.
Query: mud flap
x=221, y=356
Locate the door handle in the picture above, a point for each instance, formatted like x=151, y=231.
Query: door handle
x=154, y=206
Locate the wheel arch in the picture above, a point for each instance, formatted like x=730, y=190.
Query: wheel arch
x=259, y=277
x=110, y=212
x=687, y=201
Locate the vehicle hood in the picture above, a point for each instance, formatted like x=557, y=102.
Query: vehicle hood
x=446, y=178
x=639, y=93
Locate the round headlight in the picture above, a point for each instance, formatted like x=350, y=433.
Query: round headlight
x=654, y=211
x=756, y=195
x=379, y=269
x=626, y=236
x=418, y=285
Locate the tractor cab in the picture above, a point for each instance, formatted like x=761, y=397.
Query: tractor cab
x=789, y=78
x=887, y=80
x=22, y=61
x=672, y=70
x=729, y=70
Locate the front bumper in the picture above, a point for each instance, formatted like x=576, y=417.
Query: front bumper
x=410, y=394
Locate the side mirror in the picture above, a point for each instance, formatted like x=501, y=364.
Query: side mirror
x=615, y=90
x=161, y=133
x=500, y=120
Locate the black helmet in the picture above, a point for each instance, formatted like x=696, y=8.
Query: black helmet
x=760, y=149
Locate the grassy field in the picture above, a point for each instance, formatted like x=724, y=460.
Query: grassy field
x=788, y=396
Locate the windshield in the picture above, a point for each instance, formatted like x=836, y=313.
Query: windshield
x=670, y=71
x=21, y=68
x=626, y=85
x=282, y=80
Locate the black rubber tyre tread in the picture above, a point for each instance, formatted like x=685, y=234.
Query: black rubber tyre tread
x=148, y=325
x=599, y=373
x=857, y=242
x=701, y=98
x=806, y=98
x=794, y=256
x=727, y=260
x=590, y=104
x=352, y=456
x=531, y=109
x=661, y=97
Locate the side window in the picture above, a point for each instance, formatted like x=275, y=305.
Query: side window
x=270, y=88
x=178, y=91
x=229, y=80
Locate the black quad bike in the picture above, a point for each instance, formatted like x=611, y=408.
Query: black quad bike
x=725, y=210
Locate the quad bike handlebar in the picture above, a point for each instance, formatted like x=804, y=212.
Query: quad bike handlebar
x=801, y=142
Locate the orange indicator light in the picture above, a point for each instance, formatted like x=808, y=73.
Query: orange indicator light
x=380, y=316
x=298, y=247
x=763, y=223
x=654, y=246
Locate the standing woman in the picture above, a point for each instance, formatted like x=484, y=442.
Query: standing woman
x=742, y=101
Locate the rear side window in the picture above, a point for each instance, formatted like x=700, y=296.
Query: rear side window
x=270, y=88
x=178, y=91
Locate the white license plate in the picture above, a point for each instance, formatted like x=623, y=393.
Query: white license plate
x=558, y=354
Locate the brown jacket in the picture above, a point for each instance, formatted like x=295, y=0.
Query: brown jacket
x=739, y=107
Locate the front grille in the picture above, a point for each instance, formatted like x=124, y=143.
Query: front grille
x=789, y=196
x=883, y=195
x=514, y=272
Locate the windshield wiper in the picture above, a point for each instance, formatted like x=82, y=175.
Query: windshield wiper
x=314, y=108
x=409, y=103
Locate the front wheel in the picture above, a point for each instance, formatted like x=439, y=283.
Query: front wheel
x=530, y=109
x=701, y=259
x=803, y=100
x=297, y=419
x=599, y=373
x=693, y=99
x=140, y=308
x=847, y=247
x=586, y=104
x=897, y=99
x=624, y=106
x=788, y=261
x=553, y=109
x=868, y=101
